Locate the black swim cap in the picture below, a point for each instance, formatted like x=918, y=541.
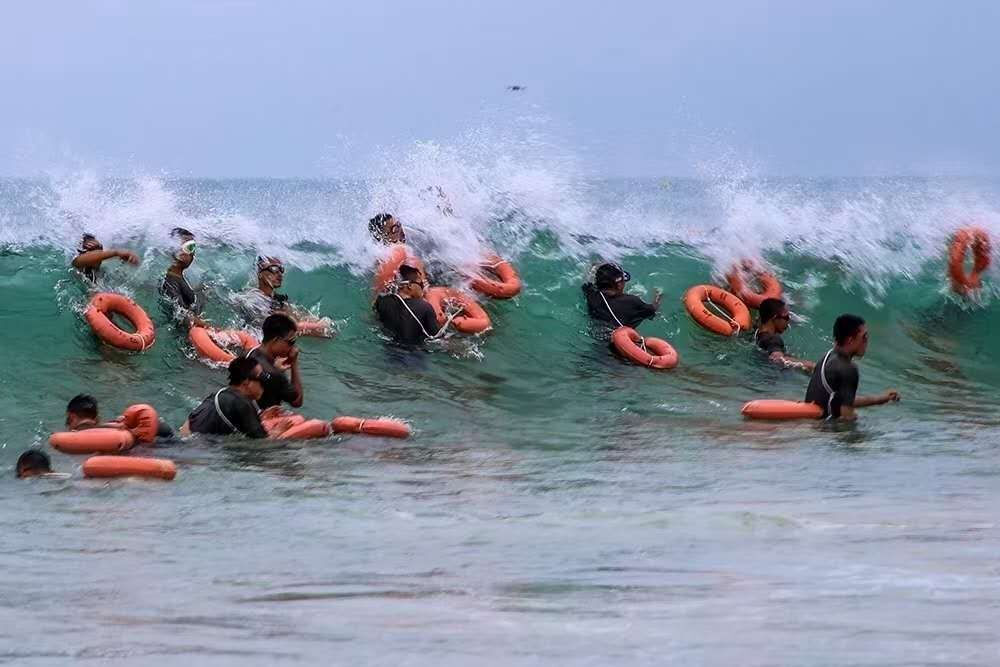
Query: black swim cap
x=610, y=273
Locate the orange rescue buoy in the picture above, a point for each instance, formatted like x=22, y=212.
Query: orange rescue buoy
x=143, y=421
x=979, y=241
x=473, y=319
x=781, y=410
x=385, y=270
x=737, y=316
x=770, y=288
x=387, y=428
x=92, y=441
x=306, y=430
x=129, y=466
x=98, y=315
x=651, y=352
x=507, y=283
x=209, y=343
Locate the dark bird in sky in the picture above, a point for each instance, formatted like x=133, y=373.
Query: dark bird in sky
x=516, y=89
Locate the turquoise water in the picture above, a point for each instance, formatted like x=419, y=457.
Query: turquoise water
x=554, y=504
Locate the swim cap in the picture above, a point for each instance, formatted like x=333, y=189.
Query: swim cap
x=609, y=273
x=264, y=263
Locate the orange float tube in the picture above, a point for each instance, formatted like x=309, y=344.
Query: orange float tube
x=473, y=320
x=129, y=466
x=770, y=288
x=385, y=271
x=979, y=241
x=204, y=341
x=738, y=314
x=387, y=428
x=307, y=429
x=650, y=352
x=781, y=410
x=92, y=441
x=143, y=421
x=507, y=283
x=98, y=316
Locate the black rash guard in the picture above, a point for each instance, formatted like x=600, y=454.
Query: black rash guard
x=629, y=309
x=235, y=413
x=834, y=384
x=407, y=328
x=770, y=342
x=277, y=386
x=177, y=289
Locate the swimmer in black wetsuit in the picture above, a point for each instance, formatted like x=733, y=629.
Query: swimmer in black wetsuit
x=774, y=319
x=279, y=340
x=608, y=302
x=405, y=313
x=232, y=409
x=175, y=288
x=834, y=382
x=91, y=254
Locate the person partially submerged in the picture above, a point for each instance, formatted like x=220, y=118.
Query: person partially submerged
x=608, y=302
x=232, y=409
x=175, y=288
x=276, y=353
x=82, y=413
x=405, y=313
x=834, y=382
x=91, y=254
x=774, y=320
x=33, y=463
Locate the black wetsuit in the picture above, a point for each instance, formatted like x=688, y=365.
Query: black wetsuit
x=770, y=342
x=277, y=387
x=407, y=328
x=177, y=289
x=629, y=309
x=238, y=414
x=840, y=387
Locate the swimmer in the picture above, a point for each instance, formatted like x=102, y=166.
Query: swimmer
x=232, y=409
x=405, y=313
x=175, y=288
x=33, y=463
x=774, y=319
x=608, y=302
x=386, y=229
x=834, y=382
x=280, y=335
x=91, y=254
x=82, y=414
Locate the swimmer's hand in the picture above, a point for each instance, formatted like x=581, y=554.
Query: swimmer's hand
x=657, y=298
x=128, y=257
x=891, y=396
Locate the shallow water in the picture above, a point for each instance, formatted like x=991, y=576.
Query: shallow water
x=554, y=504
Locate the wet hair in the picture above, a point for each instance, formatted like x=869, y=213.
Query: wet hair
x=376, y=226
x=241, y=369
x=769, y=309
x=608, y=275
x=846, y=326
x=33, y=459
x=83, y=405
x=410, y=273
x=181, y=233
x=278, y=326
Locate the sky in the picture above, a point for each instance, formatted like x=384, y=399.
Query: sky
x=236, y=88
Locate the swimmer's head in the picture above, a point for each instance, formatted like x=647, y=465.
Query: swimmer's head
x=184, y=255
x=851, y=335
x=270, y=272
x=610, y=275
x=411, y=282
x=80, y=411
x=244, y=376
x=386, y=229
x=88, y=243
x=776, y=311
x=33, y=463
x=280, y=332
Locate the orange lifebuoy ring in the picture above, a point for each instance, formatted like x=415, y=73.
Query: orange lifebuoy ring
x=473, y=321
x=129, y=466
x=781, y=410
x=387, y=428
x=651, y=352
x=204, y=341
x=385, y=271
x=738, y=314
x=770, y=288
x=507, y=283
x=979, y=240
x=306, y=429
x=98, y=316
x=142, y=421
x=92, y=441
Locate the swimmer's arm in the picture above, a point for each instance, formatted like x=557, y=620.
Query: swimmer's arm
x=792, y=362
x=444, y=327
x=657, y=298
x=891, y=396
x=293, y=361
x=93, y=258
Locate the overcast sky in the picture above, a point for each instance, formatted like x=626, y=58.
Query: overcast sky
x=247, y=88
